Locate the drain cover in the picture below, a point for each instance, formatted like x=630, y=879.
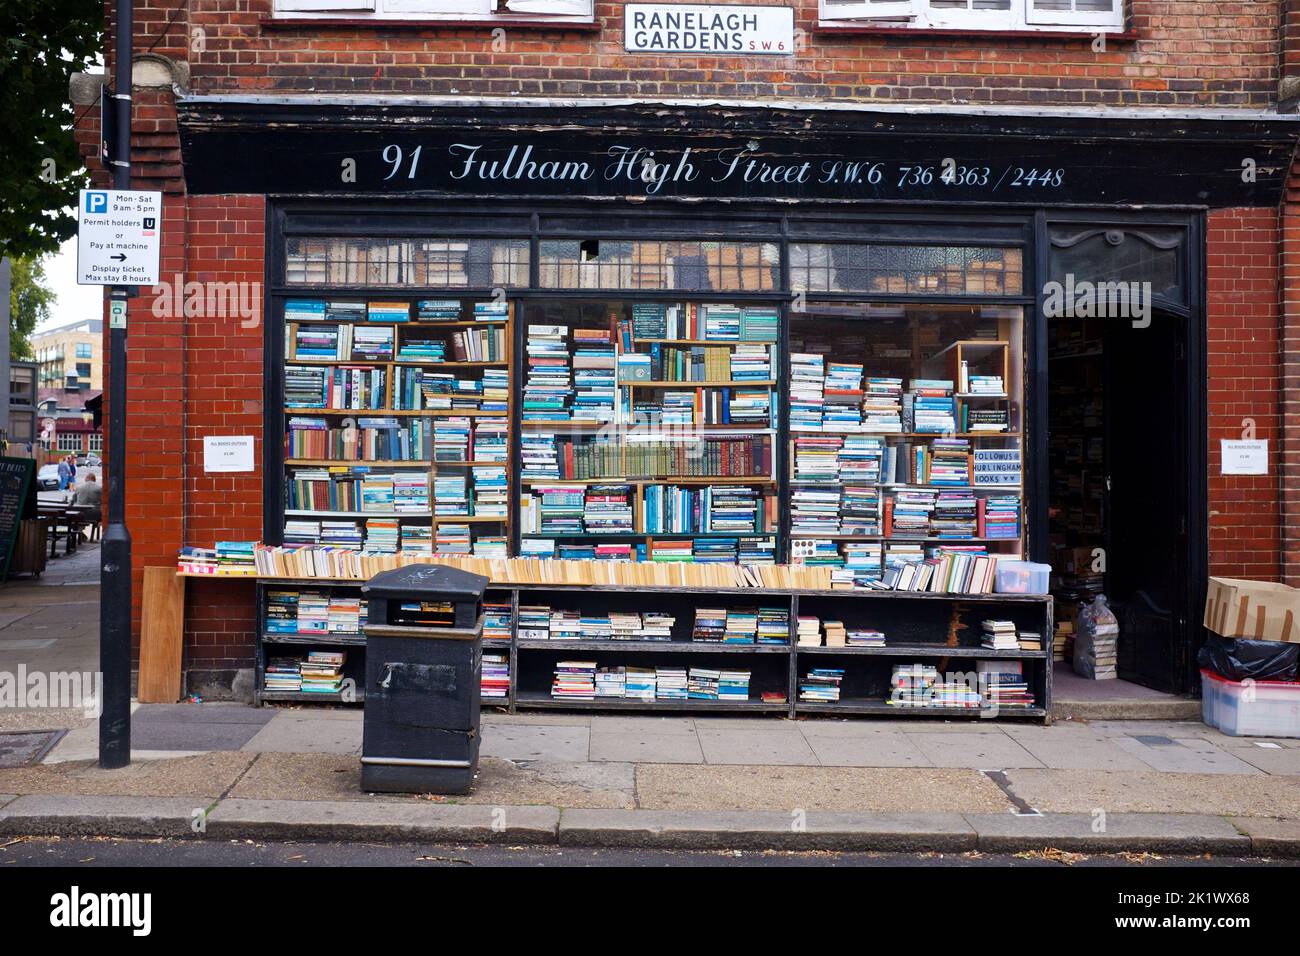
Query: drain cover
x=25, y=749
x=1155, y=740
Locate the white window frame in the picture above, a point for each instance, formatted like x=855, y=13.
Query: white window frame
x=95, y=442
x=67, y=441
x=921, y=15
x=563, y=10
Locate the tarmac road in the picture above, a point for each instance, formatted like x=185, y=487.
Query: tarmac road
x=16, y=852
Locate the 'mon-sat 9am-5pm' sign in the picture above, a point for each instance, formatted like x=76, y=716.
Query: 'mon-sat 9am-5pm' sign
x=707, y=29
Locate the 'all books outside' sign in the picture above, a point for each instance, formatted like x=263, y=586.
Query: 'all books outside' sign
x=707, y=29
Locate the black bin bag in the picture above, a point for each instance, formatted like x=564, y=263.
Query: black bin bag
x=1239, y=658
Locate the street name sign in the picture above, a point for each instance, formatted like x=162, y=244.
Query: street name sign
x=118, y=237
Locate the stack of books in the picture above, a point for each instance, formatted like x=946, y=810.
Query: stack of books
x=842, y=397
x=751, y=363
x=671, y=683
x=574, y=680
x=759, y=323
x=882, y=405
x=282, y=674
x=808, y=631
x=491, y=492
x=1001, y=516
x=807, y=384
x=742, y=626
x=639, y=683
x=282, y=613
x=865, y=637
x=834, y=633
x=702, y=683
x=710, y=624
x=1000, y=635
x=322, y=672
x=1004, y=684
x=611, y=682
x=534, y=622
x=733, y=685
x=930, y=404
x=497, y=621
x=593, y=376
x=548, y=387
x=373, y=343
x=1030, y=640
x=496, y=311
x=388, y=312
x=773, y=625
x=821, y=685
x=911, y=685
x=438, y=310
x=495, y=682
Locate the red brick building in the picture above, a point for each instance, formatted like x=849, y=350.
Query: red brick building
x=269, y=122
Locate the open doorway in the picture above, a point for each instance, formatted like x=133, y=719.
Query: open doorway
x=1118, y=485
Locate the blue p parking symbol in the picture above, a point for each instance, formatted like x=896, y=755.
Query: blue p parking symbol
x=96, y=202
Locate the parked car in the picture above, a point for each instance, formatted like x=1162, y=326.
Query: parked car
x=88, y=461
x=47, y=479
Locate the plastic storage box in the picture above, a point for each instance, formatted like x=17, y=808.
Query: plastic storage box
x=1262, y=708
x=1023, y=577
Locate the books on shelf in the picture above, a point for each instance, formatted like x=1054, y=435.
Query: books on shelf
x=282, y=674
x=808, y=631
x=1003, y=684
x=495, y=679
x=1000, y=635
x=574, y=680
x=671, y=683
x=834, y=634
x=322, y=672
x=821, y=685
x=865, y=637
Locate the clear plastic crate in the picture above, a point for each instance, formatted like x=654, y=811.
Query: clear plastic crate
x=1262, y=708
x=1023, y=577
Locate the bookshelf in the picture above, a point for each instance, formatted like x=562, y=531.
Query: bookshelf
x=904, y=450
x=533, y=631
x=398, y=417
x=647, y=431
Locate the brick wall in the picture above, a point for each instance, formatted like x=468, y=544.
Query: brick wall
x=1288, y=456
x=1186, y=53
x=1244, y=368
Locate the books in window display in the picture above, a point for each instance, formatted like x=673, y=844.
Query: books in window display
x=929, y=404
x=374, y=343
x=304, y=310
x=452, y=539
x=748, y=456
x=437, y=310
x=750, y=362
x=388, y=312
x=491, y=492
x=1004, y=684
x=548, y=386
x=807, y=384
x=336, y=310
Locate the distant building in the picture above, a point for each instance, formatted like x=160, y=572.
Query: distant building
x=22, y=403
x=70, y=356
x=65, y=423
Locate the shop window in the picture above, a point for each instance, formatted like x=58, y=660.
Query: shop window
x=905, y=270
x=96, y=443
x=1059, y=15
x=434, y=9
x=659, y=264
x=69, y=442
x=430, y=263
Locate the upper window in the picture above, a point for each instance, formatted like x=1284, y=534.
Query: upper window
x=435, y=9
x=1048, y=15
x=84, y=350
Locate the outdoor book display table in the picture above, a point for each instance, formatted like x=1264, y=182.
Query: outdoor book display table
x=942, y=631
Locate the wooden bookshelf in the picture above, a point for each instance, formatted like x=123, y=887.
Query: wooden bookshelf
x=478, y=337
x=942, y=630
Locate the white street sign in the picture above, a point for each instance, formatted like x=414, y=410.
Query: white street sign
x=118, y=237
x=708, y=30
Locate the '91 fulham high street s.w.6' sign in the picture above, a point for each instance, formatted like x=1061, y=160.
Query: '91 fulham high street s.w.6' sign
x=697, y=28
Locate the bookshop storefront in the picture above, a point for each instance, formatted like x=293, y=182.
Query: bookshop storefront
x=887, y=349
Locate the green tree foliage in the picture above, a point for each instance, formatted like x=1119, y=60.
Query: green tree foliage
x=29, y=304
x=42, y=44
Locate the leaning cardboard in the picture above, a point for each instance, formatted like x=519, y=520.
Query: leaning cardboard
x=1257, y=610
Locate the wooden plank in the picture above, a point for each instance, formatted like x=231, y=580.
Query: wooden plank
x=162, y=630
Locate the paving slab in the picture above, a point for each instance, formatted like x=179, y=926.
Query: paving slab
x=1109, y=832
x=316, y=711
x=1188, y=755
x=894, y=749
x=1075, y=748
x=899, y=790
x=1282, y=761
x=829, y=726
x=120, y=816
x=344, y=820
x=686, y=829
x=187, y=776
x=290, y=733
x=775, y=745
x=1270, y=836
x=988, y=751
x=631, y=747
x=218, y=712
x=538, y=720
x=653, y=725
x=549, y=742
x=7, y=797
x=280, y=776
x=1082, y=791
x=42, y=718
x=173, y=727
x=1166, y=728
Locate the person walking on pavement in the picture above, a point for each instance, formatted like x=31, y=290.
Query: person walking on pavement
x=65, y=474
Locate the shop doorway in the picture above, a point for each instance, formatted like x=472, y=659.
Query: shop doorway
x=1119, y=460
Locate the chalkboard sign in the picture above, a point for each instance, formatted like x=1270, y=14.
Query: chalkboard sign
x=15, y=484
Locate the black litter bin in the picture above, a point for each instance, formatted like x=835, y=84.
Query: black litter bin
x=424, y=662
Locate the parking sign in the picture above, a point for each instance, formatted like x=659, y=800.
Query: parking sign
x=118, y=237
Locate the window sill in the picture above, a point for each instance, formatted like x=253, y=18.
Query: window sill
x=567, y=24
x=828, y=29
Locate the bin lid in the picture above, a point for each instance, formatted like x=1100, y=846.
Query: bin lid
x=427, y=580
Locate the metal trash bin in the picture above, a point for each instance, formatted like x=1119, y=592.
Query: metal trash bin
x=424, y=663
